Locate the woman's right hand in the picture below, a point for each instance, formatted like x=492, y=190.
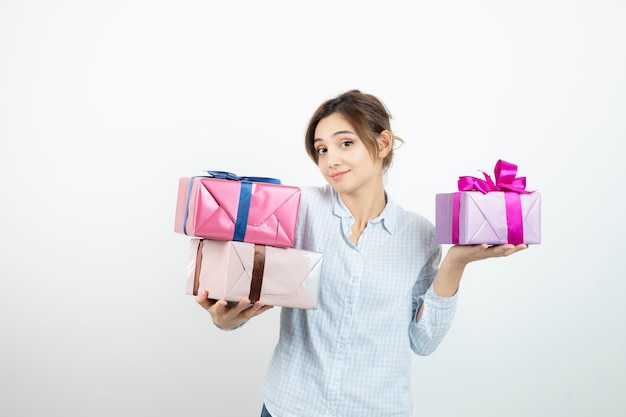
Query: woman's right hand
x=227, y=316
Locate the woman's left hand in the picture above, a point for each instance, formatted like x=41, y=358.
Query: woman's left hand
x=463, y=254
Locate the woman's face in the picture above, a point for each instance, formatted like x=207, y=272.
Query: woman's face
x=344, y=160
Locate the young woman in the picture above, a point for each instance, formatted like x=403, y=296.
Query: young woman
x=384, y=291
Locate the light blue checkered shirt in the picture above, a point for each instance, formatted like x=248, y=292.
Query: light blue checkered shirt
x=351, y=356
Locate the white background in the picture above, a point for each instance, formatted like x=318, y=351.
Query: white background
x=105, y=104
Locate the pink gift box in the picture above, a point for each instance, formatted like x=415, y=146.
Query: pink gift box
x=487, y=211
x=237, y=209
x=482, y=218
x=234, y=271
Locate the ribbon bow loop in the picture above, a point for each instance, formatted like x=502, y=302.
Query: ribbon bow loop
x=225, y=175
x=505, y=180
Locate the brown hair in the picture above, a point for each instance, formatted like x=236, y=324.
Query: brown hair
x=365, y=112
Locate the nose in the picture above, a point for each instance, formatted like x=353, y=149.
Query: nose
x=332, y=158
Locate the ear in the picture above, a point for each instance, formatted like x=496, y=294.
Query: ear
x=385, y=143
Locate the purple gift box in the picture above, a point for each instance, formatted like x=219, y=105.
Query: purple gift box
x=484, y=211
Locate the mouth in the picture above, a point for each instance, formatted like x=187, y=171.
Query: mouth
x=337, y=175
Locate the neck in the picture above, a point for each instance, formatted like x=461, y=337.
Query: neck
x=365, y=207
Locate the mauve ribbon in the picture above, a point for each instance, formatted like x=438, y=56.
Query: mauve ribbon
x=196, y=275
x=258, y=268
x=506, y=181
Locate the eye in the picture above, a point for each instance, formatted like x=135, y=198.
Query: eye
x=320, y=150
x=347, y=143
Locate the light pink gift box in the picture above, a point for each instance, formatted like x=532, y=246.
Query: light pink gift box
x=234, y=271
x=210, y=208
x=487, y=211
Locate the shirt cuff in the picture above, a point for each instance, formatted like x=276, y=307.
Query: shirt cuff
x=433, y=300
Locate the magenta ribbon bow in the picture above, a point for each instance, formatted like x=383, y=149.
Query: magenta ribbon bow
x=506, y=181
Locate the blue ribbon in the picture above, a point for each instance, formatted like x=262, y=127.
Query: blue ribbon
x=245, y=195
x=224, y=175
x=187, y=204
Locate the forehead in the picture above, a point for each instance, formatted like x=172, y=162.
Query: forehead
x=332, y=125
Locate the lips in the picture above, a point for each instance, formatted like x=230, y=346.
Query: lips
x=337, y=175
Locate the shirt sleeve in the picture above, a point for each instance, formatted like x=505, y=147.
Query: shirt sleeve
x=438, y=313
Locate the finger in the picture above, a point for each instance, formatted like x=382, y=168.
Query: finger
x=262, y=309
x=519, y=248
x=203, y=299
x=256, y=309
x=241, y=305
x=506, y=250
x=230, y=310
x=219, y=307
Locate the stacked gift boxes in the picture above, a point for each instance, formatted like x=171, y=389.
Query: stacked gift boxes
x=494, y=212
x=242, y=233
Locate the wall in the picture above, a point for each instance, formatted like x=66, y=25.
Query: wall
x=104, y=105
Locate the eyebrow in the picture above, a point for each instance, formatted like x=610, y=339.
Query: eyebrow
x=339, y=132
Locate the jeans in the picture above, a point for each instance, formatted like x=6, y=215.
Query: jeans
x=264, y=412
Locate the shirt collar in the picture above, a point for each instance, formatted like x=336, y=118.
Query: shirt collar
x=386, y=217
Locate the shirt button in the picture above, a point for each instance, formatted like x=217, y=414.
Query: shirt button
x=342, y=345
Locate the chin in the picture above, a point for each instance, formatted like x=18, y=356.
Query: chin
x=340, y=188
